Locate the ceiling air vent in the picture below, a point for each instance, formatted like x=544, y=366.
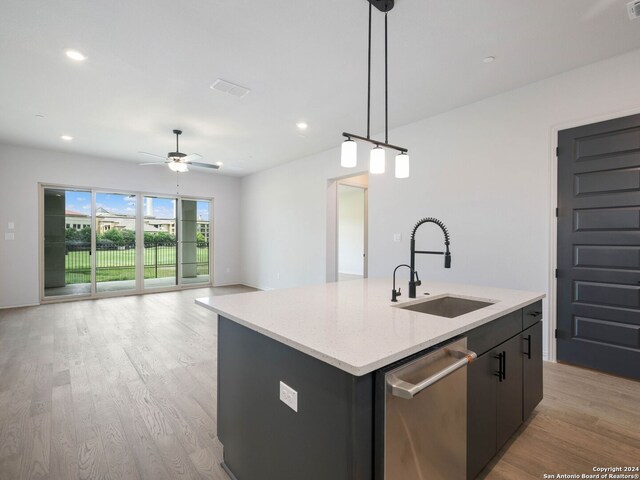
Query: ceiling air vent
x=634, y=9
x=231, y=88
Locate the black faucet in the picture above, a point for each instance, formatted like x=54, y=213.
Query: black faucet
x=396, y=293
x=447, y=255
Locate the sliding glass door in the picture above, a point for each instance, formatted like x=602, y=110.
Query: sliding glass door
x=115, y=225
x=102, y=243
x=160, y=242
x=195, y=241
x=67, y=242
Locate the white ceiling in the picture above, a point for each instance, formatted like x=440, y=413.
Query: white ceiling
x=151, y=62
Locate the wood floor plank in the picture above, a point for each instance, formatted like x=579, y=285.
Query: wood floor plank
x=41, y=399
x=37, y=447
x=147, y=457
x=64, y=458
x=117, y=450
x=92, y=463
x=83, y=407
x=10, y=466
x=14, y=429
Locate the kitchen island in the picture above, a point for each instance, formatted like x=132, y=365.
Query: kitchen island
x=326, y=344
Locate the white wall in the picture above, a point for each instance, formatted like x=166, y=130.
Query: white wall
x=22, y=168
x=484, y=169
x=350, y=230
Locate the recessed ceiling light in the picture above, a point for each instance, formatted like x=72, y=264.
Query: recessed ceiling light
x=301, y=125
x=219, y=164
x=75, y=55
x=66, y=138
x=488, y=59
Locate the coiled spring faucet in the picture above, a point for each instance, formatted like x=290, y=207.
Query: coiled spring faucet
x=413, y=282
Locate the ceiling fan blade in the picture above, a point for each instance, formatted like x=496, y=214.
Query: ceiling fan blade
x=191, y=157
x=164, y=157
x=203, y=165
x=153, y=163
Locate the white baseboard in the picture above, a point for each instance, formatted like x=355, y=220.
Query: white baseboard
x=4, y=307
x=258, y=287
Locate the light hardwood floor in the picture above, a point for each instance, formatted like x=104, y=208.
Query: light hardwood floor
x=124, y=388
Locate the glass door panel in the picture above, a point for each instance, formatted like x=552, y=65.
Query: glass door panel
x=195, y=241
x=67, y=242
x=160, y=245
x=115, y=224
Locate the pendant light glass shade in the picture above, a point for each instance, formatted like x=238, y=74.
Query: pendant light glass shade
x=349, y=154
x=402, y=165
x=178, y=167
x=376, y=160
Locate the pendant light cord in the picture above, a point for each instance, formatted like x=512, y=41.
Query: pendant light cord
x=386, y=91
x=369, y=80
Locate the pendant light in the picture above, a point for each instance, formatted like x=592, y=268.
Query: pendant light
x=349, y=150
x=349, y=154
x=376, y=160
x=402, y=165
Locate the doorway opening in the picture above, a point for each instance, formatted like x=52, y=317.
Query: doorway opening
x=347, y=241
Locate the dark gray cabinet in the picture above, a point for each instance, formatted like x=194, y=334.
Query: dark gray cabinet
x=504, y=384
x=531, y=369
x=481, y=411
x=494, y=405
x=509, y=391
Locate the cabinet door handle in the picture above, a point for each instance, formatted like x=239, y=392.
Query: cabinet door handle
x=504, y=365
x=528, y=352
x=500, y=372
x=535, y=314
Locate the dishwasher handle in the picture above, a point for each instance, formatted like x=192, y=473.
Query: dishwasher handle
x=406, y=390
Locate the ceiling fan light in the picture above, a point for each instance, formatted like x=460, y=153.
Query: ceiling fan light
x=376, y=160
x=349, y=154
x=402, y=165
x=178, y=167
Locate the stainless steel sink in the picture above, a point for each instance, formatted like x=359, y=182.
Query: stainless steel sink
x=449, y=307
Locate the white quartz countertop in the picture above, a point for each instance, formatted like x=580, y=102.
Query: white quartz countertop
x=353, y=325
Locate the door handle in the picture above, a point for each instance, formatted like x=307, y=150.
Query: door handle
x=528, y=352
x=534, y=314
x=500, y=372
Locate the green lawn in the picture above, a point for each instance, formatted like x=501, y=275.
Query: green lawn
x=120, y=264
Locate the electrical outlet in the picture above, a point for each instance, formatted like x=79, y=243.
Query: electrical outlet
x=397, y=237
x=289, y=396
x=278, y=276
x=9, y=236
x=11, y=225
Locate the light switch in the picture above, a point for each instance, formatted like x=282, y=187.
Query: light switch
x=11, y=225
x=397, y=237
x=10, y=236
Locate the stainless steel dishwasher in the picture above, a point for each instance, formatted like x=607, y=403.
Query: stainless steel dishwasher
x=425, y=415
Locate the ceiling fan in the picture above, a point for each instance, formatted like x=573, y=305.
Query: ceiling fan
x=178, y=161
